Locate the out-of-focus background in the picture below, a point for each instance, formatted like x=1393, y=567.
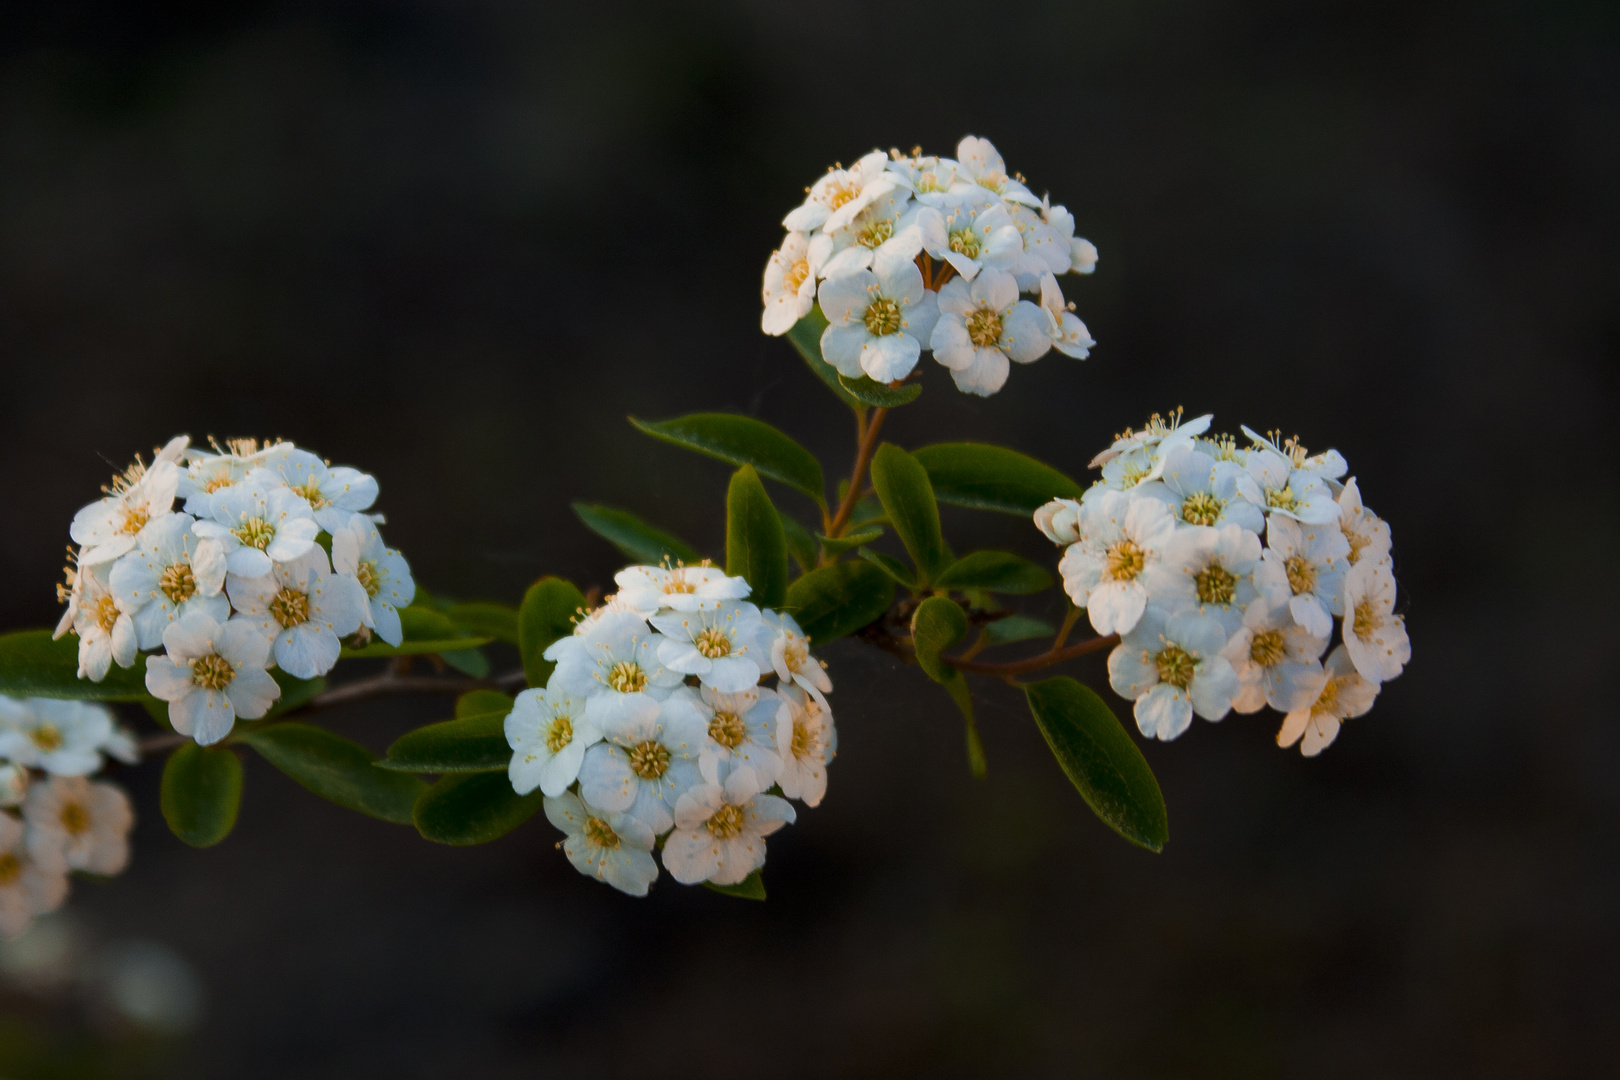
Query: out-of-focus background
x=456, y=244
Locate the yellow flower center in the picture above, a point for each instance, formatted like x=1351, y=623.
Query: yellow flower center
x=1268, y=647
x=178, y=583
x=806, y=736
x=1301, y=574
x=220, y=479
x=1215, y=584
x=627, y=677
x=1358, y=540
x=290, y=607
x=876, y=233
x=649, y=760
x=1176, y=666
x=796, y=274
x=212, y=672
x=311, y=493
x=10, y=868
x=74, y=818
x=726, y=822
x=559, y=734
x=255, y=533
x=965, y=241
x=840, y=193
x=795, y=652
x=1281, y=498
x=370, y=577
x=600, y=833
x=1202, y=509
x=1328, y=702
x=713, y=643
x=1125, y=561
x=107, y=613
x=46, y=737
x=882, y=317
x=983, y=327
x=728, y=730
x=135, y=519
x=1367, y=619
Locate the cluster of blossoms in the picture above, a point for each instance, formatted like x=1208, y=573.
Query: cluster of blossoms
x=1166, y=551
x=907, y=253
x=48, y=749
x=678, y=716
x=270, y=563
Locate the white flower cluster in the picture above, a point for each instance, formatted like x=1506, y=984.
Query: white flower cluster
x=1165, y=550
x=48, y=748
x=909, y=253
x=658, y=728
x=237, y=582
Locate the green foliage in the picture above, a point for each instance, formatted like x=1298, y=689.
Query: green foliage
x=977, y=764
x=742, y=440
x=295, y=692
x=891, y=566
x=635, y=539
x=839, y=599
x=987, y=477
x=801, y=542
x=806, y=337
x=908, y=499
x=852, y=539
x=1101, y=760
x=32, y=665
x=1018, y=628
x=473, y=808
x=869, y=391
x=335, y=768
x=936, y=625
x=548, y=612
x=751, y=887
x=756, y=546
x=479, y=702
x=997, y=572
x=473, y=743
x=201, y=793
x=425, y=631
x=498, y=621
x=469, y=662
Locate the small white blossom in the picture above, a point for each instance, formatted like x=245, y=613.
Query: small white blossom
x=1121, y=541
x=62, y=737
x=1278, y=662
x=888, y=227
x=837, y=197
x=303, y=609
x=30, y=884
x=1059, y=520
x=807, y=742
x=211, y=675
x=1159, y=437
x=1172, y=667
x=1303, y=567
x=259, y=524
x=1373, y=634
x=1209, y=570
x=651, y=589
x=383, y=574
x=970, y=233
x=643, y=766
x=1082, y=256
x=102, y=621
x=1069, y=335
x=722, y=644
x=1047, y=237
x=171, y=573
x=1202, y=491
x=790, y=280
x=548, y=734
x=984, y=325
x=1366, y=533
x=88, y=823
x=612, y=847
x=877, y=320
x=1272, y=482
x=107, y=528
x=979, y=163
x=1344, y=694
x=720, y=831
x=332, y=494
x=741, y=729
x=790, y=655
x=208, y=474
x=614, y=665
x=928, y=178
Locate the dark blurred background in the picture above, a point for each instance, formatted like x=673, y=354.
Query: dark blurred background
x=455, y=244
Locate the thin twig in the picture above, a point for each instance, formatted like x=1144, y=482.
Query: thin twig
x=1019, y=667
x=863, y=456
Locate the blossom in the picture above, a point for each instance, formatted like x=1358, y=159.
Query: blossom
x=383, y=574
x=303, y=609
x=741, y=729
x=720, y=643
x=88, y=823
x=790, y=655
x=62, y=737
x=806, y=742
x=1059, y=520
x=614, y=665
x=643, y=765
x=1303, y=567
x=790, y=280
x=30, y=884
x=548, y=734
x=1106, y=571
x=206, y=474
x=837, y=197
x=984, y=324
x=102, y=621
x=1202, y=491
x=1069, y=335
x=171, y=573
x=970, y=233
x=649, y=589
x=1344, y=694
x=720, y=831
x=877, y=319
x=1172, y=667
x=1159, y=437
x=1046, y=235
x=1082, y=255
x=1373, y=634
x=107, y=528
x=212, y=674
x=613, y=847
x=928, y=177
x=1278, y=662
x=888, y=227
x=259, y=524
x=1207, y=569
x=13, y=783
x=1271, y=481
x=978, y=162
x=1366, y=533
x=332, y=494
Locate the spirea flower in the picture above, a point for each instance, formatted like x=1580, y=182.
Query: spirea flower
x=806, y=742
x=675, y=587
x=31, y=883
x=1172, y=667
x=86, y=822
x=303, y=609
x=1374, y=635
x=548, y=734
x=1106, y=570
x=383, y=574
x=259, y=523
x=1278, y=662
x=644, y=763
x=615, y=667
x=1303, y=567
x=58, y=736
x=790, y=280
x=333, y=494
x=741, y=729
x=877, y=319
x=1344, y=694
x=611, y=846
x=722, y=644
x=1209, y=570
x=720, y=831
x=984, y=325
x=171, y=573
x=211, y=674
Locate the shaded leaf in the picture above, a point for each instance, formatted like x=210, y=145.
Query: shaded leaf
x=987, y=477
x=806, y=337
x=635, y=539
x=801, y=543
x=469, y=662
x=908, y=498
x=549, y=608
x=201, y=793
x=853, y=539
x=742, y=440
x=1018, y=628
x=756, y=547
x=32, y=665
x=891, y=566
x=335, y=768
x=871, y=392
x=473, y=808
x=839, y=599
x=467, y=744
x=484, y=619
x=936, y=625
x=751, y=887
x=479, y=702
x=997, y=572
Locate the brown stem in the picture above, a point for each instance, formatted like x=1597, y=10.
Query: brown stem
x=1046, y=659
x=1063, y=631
x=866, y=445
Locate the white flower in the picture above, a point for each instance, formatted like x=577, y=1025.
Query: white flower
x=548, y=734
x=303, y=609
x=1277, y=661
x=1209, y=570
x=88, y=823
x=790, y=655
x=790, y=280
x=383, y=574
x=13, y=784
x=1374, y=635
x=259, y=524
x=1271, y=481
x=643, y=766
x=30, y=884
x=1329, y=464
x=64, y=738
x=1082, y=256
x=1366, y=532
x=1172, y=667
x=613, y=847
x=212, y=674
x=1105, y=572
x=878, y=319
x=614, y=665
x=970, y=233
x=106, y=631
x=1303, y=567
x=206, y=475
x=836, y=198
x=983, y=325
x=649, y=589
x=332, y=494
x=1202, y=491
x=929, y=178
x=1059, y=520
x=741, y=729
x=171, y=573
x=807, y=742
x=1046, y=235
x=1160, y=436
x=107, y=527
x=1344, y=694
x=888, y=226
x=721, y=643
x=1069, y=335
x=720, y=831
x=979, y=163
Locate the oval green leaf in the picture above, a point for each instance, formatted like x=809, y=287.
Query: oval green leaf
x=881, y=395
x=548, y=612
x=335, y=768
x=479, y=702
x=467, y=744
x=806, y=338
x=473, y=808
x=853, y=539
x=936, y=625
x=751, y=887
x=839, y=599
x=635, y=539
x=469, y=662
x=801, y=543
x=1101, y=759
x=1018, y=628
x=997, y=572
x=201, y=793
x=756, y=546
x=32, y=665
x=891, y=566
x=488, y=620
x=987, y=477
x=908, y=499
x=742, y=440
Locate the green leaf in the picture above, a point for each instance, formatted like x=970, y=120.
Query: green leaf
x=852, y=539
x=635, y=539
x=806, y=337
x=425, y=631
x=469, y=662
x=987, y=477
x=903, y=487
x=751, y=887
x=413, y=648
x=801, y=543
x=420, y=622
x=335, y=768
x=1101, y=759
x=936, y=625
x=871, y=392
x=756, y=547
x=473, y=808
x=997, y=572
x=869, y=513
x=742, y=440
x=839, y=599
x=32, y=665
x=1018, y=628
x=548, y=612
x=891, y=566
x=479, y=702
x=467, y=744
x=295, y=692
x=977, y=765
x=201, y=793
x=483, y=619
